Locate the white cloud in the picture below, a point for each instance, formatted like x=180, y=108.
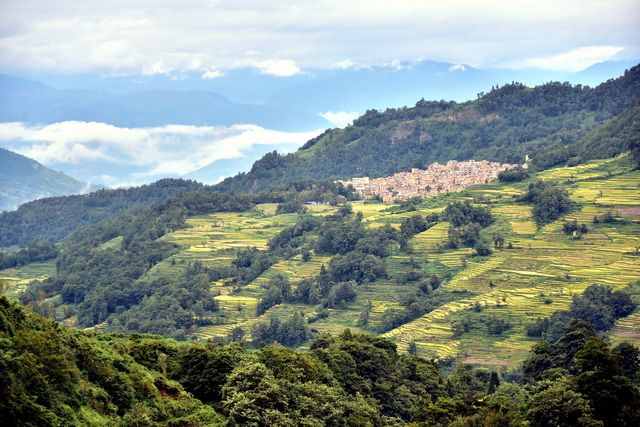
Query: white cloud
x=282, y=37
x=345, y=64
x=573, y=60
x=457, y=67
x=340, y=119
x=145, y=153
x=156, y=68
x=279, y=67
x=212, y=74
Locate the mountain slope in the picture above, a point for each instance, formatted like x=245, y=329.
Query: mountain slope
x=545, y=122
x=23, y=179
x=53, y=376
x=55, y=218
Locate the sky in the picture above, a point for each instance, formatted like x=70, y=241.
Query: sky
x=282, y=39
x=285, y=38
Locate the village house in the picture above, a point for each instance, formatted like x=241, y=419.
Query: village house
x=437, y=178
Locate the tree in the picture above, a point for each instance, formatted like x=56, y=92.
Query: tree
x=549, y=201
x=559, y=405
x=237, y=334
x=413, y=348
x=513, y=175
x=363, y=320
x=278, y=291
x=628, y=359
x=482, y=249
x=600, y=378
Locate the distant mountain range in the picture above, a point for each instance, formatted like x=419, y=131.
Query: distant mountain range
x=23, y=179
x=247, y=96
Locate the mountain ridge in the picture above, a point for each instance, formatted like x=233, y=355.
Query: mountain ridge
x=23, y=179
x=545, y=122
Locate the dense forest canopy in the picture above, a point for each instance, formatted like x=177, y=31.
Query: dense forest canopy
x=56, y=376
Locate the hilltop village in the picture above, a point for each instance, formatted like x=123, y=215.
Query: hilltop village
x=437, y=178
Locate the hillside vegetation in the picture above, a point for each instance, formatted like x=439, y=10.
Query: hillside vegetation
x=553, y=124
x=55, y=218
x=55, y=376
x=462, y=276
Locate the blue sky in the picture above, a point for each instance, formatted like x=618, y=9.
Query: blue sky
x=285, y=38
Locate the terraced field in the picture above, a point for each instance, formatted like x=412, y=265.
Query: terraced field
x=537, y=273
x=14, y=281
x=541, y=273
x=536, y=276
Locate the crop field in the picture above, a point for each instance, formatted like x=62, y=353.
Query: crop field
x=538, y=271
x=539, y=274
x=13, y=281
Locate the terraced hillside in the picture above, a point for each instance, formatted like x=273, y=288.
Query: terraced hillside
x=544, y=269
x=13, y=281
x=537, y=276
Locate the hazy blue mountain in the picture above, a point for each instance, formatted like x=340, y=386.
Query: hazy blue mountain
x=248, y=96
x=23, y=179
x=32, y=102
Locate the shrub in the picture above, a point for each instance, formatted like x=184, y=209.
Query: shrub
x=513, y=175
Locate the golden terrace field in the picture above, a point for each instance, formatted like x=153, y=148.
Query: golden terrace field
x=14, y=281
x=536, y=277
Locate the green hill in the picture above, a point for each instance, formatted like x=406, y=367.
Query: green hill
x=547, y=123
x=23, y=180
x=203, y=279
x=554, y=124
x=55, y=218
x=54, y=376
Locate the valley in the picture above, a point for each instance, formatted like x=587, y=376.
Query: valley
x=320, y=214
x=536, y=273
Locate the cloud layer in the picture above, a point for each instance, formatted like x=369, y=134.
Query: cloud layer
x=573, y=60
x=284, y=38
x=139, y=154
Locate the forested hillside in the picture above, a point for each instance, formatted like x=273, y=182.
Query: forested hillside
x=55, y=218
x=552, y=124
x=462, y=275
x=23, y=179
x=107, y=270
x=55, y=376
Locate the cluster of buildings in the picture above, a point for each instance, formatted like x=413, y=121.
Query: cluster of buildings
x=437, y=178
